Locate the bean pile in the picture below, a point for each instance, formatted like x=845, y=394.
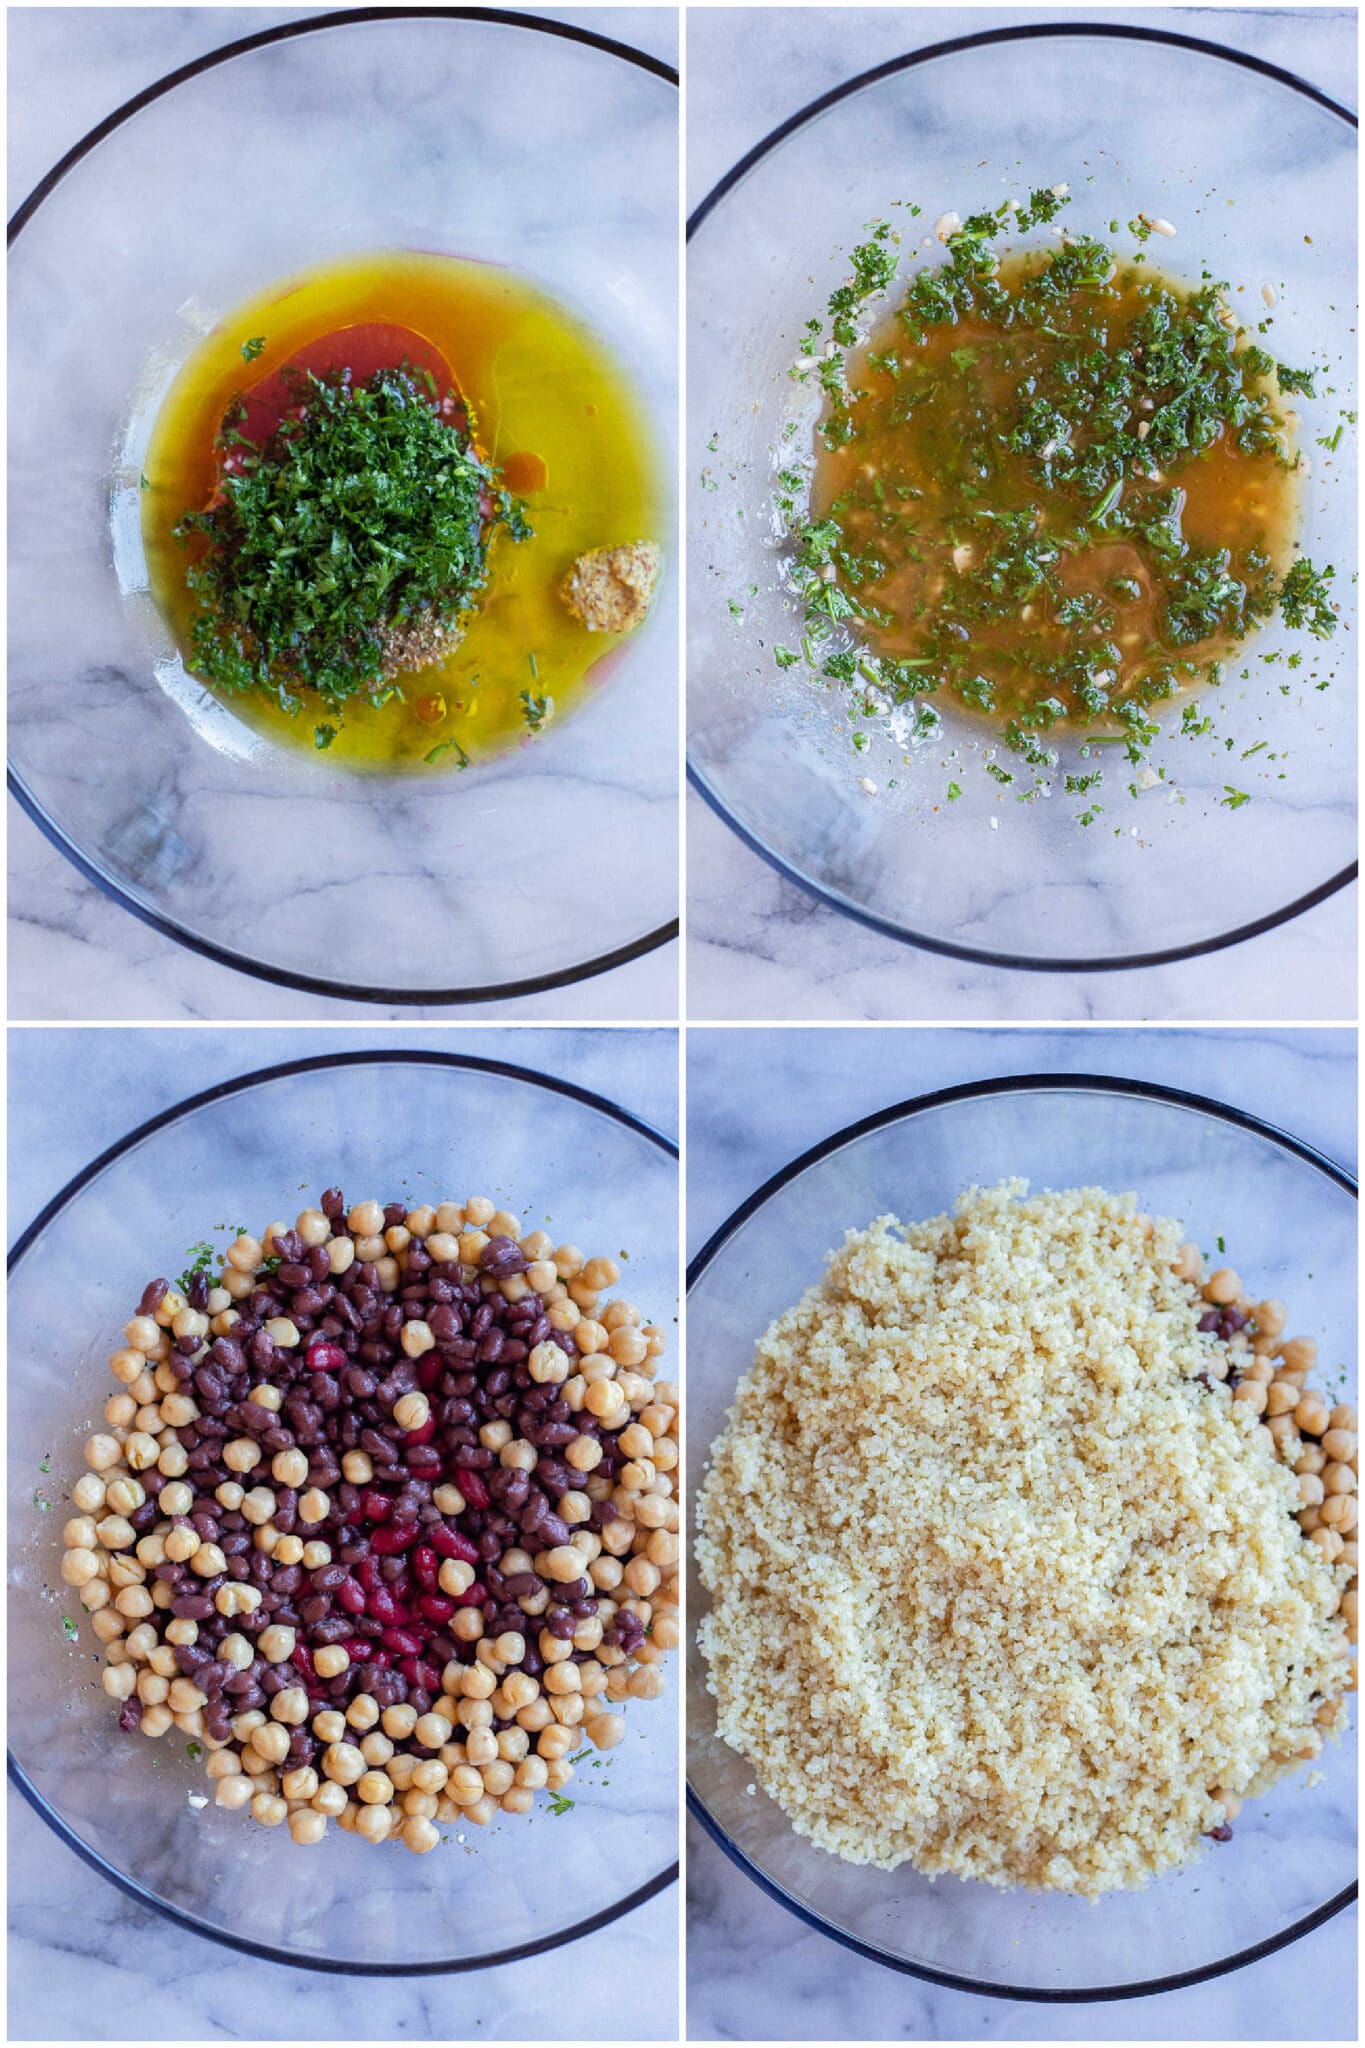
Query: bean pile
x=385, y=1521
x=1317, y=1440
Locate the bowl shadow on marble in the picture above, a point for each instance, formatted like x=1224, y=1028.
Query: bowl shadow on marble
x=424, y=1126
x=1286, y=1214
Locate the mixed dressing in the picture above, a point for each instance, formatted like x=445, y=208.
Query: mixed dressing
x=1052, y=488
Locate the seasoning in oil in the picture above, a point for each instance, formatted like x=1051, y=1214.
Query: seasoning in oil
x=1053, y=490
x=359, y=539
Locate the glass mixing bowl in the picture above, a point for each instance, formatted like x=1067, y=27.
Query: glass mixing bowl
x=1257, y=171
x=1288, y=1218
x=481, y=137
x=416, y=1124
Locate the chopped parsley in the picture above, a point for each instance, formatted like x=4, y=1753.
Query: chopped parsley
x=364, y=522
x=1304, y=599
x=253, y=348
x=202, y=1259
x=446, y=747
x=1004, y=487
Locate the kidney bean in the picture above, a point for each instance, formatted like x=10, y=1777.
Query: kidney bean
x=191, y=1607
x=522, y=1585
x=381, y=1606
x=502, y=1257
x=448, y=1541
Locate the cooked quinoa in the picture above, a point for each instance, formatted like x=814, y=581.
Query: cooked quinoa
x=1000, y=1586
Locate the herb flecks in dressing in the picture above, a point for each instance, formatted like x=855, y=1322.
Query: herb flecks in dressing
x=1051, y=489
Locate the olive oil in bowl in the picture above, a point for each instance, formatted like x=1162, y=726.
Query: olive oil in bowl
x=555, y=415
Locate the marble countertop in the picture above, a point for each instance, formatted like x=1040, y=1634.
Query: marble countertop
x=72, y=952
x=85, y=1962
x=757, y=945
x=755, y=1100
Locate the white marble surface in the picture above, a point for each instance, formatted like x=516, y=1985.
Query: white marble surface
x=73, y=953
x=755, y=1100
x=86, y=1963
x=758, y=947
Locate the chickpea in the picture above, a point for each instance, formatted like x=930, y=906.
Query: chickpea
x=343, y=1763
x=270, y=1741
x=419, y=1835
x=1312, y=1415
x=290, y=1706
x=375, y=1788
x=1300, y=1354
x=548, y=1365
x=363, y=1712
x=1189, y=1263
x=411, y=1411
x=88, y=1494
x=79, y=1566
x=416, y=1340
x=290, y=1467
x=374, y=1823
x=307, y=1827
x=331, y=1799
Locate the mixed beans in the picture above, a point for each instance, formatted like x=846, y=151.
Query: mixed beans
x=385, y=1520
x=1316, y=1439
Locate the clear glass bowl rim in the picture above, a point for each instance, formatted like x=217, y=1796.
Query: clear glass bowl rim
x=163, y=1120
x=940, y=1098
x=168, y=927
x=956, y=46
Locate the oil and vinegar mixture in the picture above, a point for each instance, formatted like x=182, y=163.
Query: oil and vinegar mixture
x=566, y=443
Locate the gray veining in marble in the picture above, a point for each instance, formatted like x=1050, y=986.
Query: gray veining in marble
x=86, y=1963
x=755, y=1100
x=74, y=953
x=759, y=946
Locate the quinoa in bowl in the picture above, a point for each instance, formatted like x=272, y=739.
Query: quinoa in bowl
x=1008, y=1580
